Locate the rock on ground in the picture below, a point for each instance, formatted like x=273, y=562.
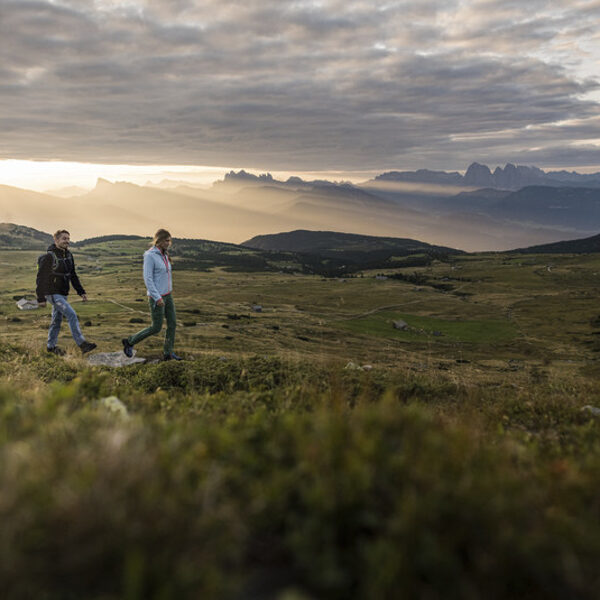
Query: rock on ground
x=113, y=359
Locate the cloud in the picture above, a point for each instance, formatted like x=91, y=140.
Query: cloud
x=286, y=84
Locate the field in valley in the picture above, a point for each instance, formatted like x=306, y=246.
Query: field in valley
x=486, y=311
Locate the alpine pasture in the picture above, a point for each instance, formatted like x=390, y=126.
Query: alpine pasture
x=306, y=448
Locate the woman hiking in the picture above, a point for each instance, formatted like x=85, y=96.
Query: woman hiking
x=56, y=273
x=159, y=283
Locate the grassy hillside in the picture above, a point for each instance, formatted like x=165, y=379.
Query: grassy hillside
x=309, y=450
x=579, y=246
x=332, y=241
x=495, y=307
x=20, y=237
x=335, y=253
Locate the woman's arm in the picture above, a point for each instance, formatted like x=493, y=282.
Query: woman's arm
x=149, y=277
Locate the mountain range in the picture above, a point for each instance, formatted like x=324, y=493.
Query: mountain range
x=436, y=207
x=511, y=177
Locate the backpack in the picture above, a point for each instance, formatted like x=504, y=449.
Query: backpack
x=54, y=267
x=41, y=257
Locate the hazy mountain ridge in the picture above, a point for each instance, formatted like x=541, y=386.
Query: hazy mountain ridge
x=243, y=206
x=573, y=210
x=242, y=177
x=576, y=208
x=511, y=177
x=67, y=192
x=437, y=216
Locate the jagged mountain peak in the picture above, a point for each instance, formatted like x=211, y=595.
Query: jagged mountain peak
x=101, y=182
x=509, y=177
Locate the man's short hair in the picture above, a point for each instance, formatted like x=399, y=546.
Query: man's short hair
x=60, y=232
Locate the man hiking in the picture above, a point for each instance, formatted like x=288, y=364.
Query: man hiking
x=56, y=272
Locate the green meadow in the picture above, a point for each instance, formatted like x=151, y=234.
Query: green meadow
x=457, y=330
x=308, y=449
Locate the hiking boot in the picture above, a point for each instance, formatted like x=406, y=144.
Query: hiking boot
x=127, y=348
x=87, y=347
x=172, y=356
x=56, y=350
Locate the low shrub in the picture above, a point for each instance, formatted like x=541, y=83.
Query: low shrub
x=265, y=477
x=336, y=502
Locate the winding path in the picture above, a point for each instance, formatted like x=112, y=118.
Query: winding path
x=378, y=309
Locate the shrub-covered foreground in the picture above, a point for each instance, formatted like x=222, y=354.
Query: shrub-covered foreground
x=260, y=479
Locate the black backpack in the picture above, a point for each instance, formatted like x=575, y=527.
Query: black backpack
x=41, y=257
x=55, y=260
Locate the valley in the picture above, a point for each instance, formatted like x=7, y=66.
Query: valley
x=486, y=309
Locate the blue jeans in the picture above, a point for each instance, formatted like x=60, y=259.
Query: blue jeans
x=61, y=308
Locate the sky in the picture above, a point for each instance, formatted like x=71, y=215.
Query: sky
x=340, y=87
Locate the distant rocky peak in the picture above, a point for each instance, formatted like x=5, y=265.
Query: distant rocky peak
x=511, y=177
x=245, y=176
x=479, y=175
x=102, y=183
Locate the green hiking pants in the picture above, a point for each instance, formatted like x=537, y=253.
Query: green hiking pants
x=158, y=314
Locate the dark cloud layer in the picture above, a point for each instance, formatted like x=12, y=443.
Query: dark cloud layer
x=280, y=84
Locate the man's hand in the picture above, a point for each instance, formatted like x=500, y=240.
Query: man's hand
x=160, y=302
x=84, y=297
x=41, y=304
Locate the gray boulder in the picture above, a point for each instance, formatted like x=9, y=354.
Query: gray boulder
x=113, y=359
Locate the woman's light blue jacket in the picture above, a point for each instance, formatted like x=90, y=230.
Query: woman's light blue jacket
x=157, y=273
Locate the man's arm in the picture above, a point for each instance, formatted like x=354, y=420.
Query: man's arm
x=43, y=274
x=76, y=283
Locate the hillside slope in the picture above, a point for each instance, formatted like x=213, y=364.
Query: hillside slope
x=302, y=240
x=24, y=238
x=581, y=246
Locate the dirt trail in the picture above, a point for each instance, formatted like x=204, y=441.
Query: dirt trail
x=378, y=309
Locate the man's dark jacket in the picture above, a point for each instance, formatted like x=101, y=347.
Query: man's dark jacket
x=55, y=274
